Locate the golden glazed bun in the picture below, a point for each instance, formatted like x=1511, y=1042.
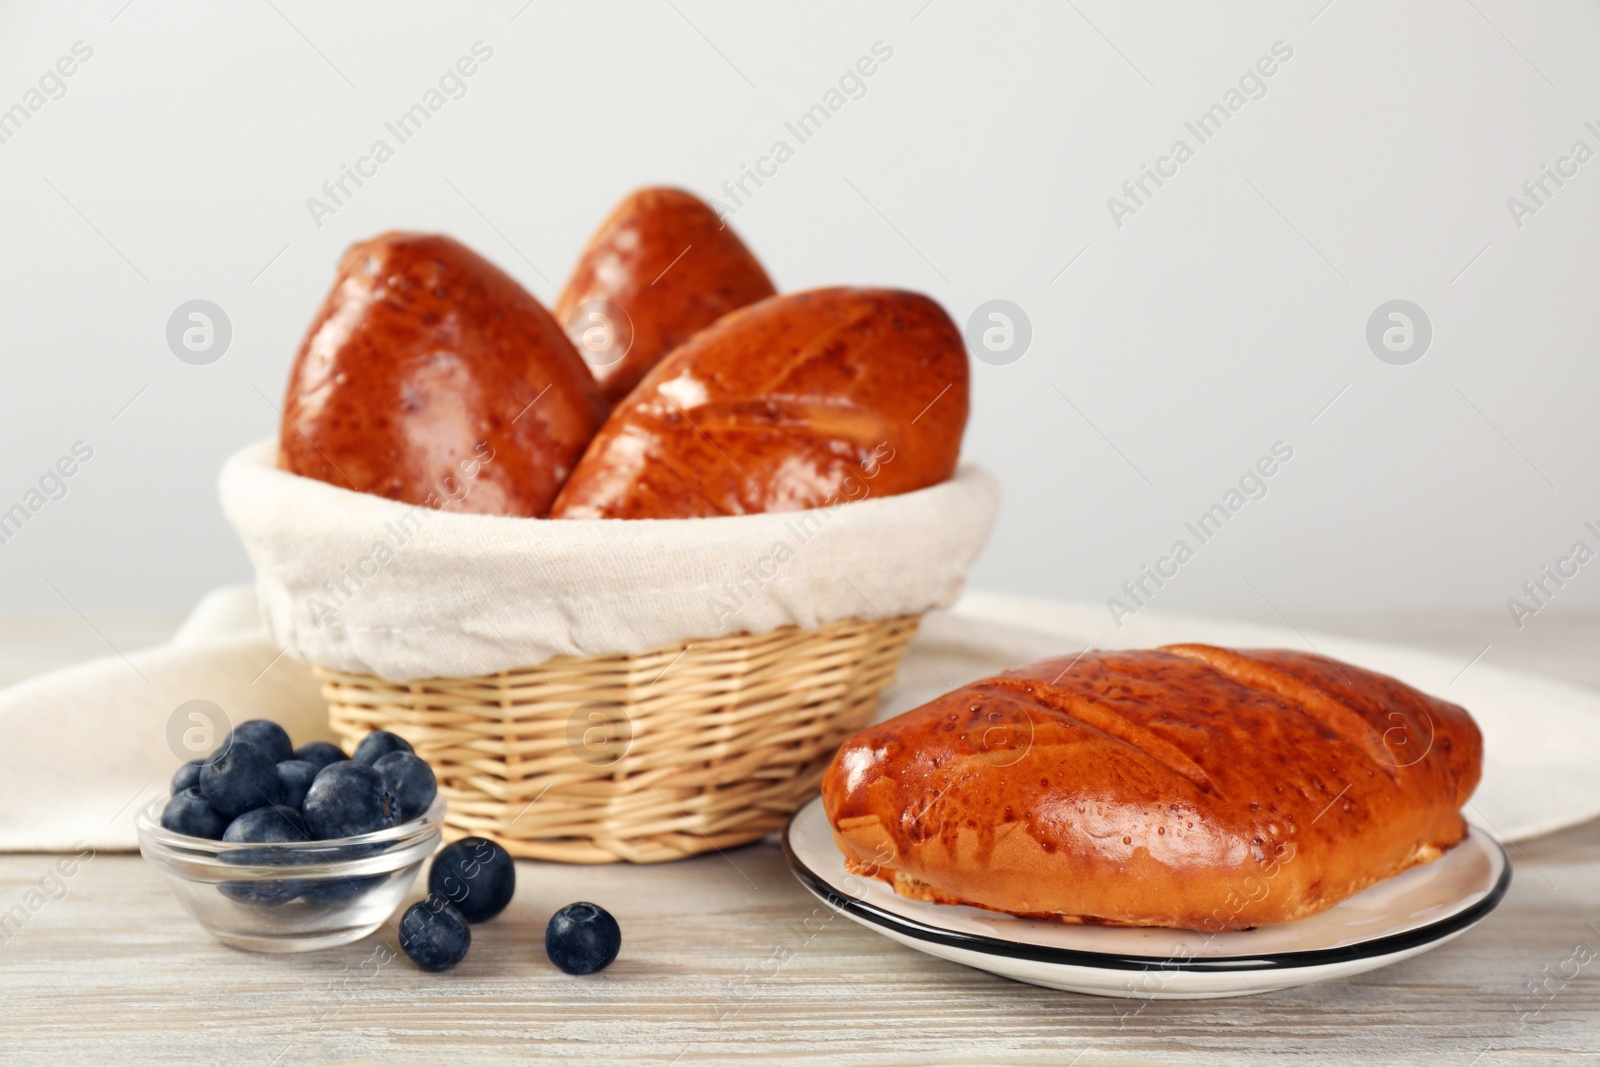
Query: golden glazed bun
x=431, y=377
x=1188, y=786
x=783, y=406
x=671, y=267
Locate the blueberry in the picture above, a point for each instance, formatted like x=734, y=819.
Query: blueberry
x=239, y=777
x=413, y=782
x=188, y=813
x=582, y=938
x=434, y=934
x=347, y=799
x=267, y=893
x=475, y=875
x=187, y=776
x=266, y=733
x=275, y=825
x=341, y=889
x=296, y=776
x=378, y=744
x=320, y=753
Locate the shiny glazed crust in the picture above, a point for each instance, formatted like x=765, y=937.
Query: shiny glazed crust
x=800, y=401
x=1188, y=786
x=431, y=377
x=672, y=266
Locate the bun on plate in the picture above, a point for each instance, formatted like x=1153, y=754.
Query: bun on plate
x=1188, y=786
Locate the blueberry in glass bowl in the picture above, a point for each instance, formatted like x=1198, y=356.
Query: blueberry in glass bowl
x=411, y=779
x=239, y=891
x=295, y=777
x=187, y=776
x=189, y=813
x=378, y=744
x=239, y=776
x=265, y=734
x=276, y=825
x=350, y=799
x=320, y=753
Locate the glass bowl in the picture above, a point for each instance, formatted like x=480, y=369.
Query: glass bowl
x=291, y=897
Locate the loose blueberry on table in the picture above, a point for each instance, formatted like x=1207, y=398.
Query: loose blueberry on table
x=378, y=744
x=434, y=934
x=582, y=938
x=476, y=875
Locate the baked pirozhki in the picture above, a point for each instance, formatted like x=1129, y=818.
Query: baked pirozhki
x=429, y=376
x=797, y=402
x=1188, y=786
x=662, y=267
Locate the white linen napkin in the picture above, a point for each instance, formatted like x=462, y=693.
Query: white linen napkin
x=87, y=746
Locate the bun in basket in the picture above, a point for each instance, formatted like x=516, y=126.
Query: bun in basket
x=429, y=376
x=1188, y=786
x=671, y=267
x=792, y=403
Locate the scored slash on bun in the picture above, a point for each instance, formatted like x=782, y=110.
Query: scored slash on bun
x=1189, y=786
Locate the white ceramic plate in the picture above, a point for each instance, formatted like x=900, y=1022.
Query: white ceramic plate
x=1394, y=920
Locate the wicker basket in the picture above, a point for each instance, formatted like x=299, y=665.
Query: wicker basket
x=656, y=756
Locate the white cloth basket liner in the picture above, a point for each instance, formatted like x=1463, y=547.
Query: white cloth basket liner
x=365, y=584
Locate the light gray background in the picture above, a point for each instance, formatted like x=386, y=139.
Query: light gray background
x=1223, y=316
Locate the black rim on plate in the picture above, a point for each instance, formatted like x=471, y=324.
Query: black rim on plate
x=1380, y=946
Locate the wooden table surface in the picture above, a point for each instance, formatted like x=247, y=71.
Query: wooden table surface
x=725, y=958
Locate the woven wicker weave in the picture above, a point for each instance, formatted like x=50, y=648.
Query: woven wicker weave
x=656, y=756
